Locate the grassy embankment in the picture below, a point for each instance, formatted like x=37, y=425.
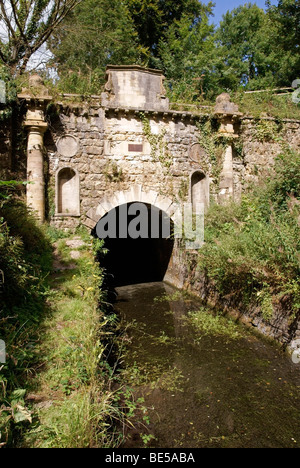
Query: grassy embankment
x=257, y=105
x=252, y=248
x=56, y=387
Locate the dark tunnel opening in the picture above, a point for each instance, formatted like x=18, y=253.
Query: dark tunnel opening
x=139, y=245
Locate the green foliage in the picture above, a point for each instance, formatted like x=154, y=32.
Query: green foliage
x=21, y=244
x=7, y=189
x=183, y=52
x=159, y=151
x=113, y=173
x=96, y=34
x=287, y=180
x=266, y=130
x=250, y=49
x=25, y=262
x=254, y=49
x=207, y=323
x=286, y=19
x=252, y=249
x=213, y=144
x=244, y=50
x=152, y=19
x=267, y=103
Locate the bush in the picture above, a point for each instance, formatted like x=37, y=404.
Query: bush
x=25, y=261
x=252, y=248
x=25, y=255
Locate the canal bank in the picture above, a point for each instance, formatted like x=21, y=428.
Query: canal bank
x=205, y=380
x=281, y=325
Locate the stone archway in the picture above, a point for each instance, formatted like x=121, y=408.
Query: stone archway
x=135, y=194
x=132, y=260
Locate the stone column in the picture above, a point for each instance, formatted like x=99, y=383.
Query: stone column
x=226, y=177
x=228, y=115
x=36, y=98
x=35, y=168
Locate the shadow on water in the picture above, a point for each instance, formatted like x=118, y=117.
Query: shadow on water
x=205, y=389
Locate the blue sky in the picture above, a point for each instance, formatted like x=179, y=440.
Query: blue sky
x=222, y=6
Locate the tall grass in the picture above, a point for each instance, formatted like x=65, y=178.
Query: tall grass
x=252, y=249
x=25, y=262
x=75, y=405
x=55, y=384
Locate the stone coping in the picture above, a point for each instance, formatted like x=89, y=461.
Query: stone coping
x=162, y=112
x=138, y=68
x=170, y=112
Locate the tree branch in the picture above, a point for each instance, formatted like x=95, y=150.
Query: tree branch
x=29, y=25
x=6, y=20
x=17, y=21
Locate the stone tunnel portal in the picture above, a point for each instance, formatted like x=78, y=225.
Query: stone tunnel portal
x=139, y=241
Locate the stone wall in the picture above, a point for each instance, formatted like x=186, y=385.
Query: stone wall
x=128, y=139
x=262, y=140
x=110, y=151
x=112, y=154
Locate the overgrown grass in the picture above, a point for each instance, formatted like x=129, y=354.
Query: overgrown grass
x=268, y=104
x=25, y=262
x=74, y=407
x=56, y=387
x=252, y=249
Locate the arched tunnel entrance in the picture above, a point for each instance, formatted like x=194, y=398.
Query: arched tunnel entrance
x=139, y=242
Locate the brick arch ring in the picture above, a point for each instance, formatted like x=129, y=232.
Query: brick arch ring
x=135, y=194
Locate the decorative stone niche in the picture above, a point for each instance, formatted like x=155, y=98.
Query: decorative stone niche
x=199, y=190
x=67, y=192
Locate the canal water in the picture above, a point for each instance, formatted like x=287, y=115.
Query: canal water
x=205, y=380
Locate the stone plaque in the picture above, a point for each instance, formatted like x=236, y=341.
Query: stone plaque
x=67, y=146
x=135, y=148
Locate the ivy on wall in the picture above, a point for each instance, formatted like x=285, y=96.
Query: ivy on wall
x=159, y=150
x=267, y=130
x=214, y=145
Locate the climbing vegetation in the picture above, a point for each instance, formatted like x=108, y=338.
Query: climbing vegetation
x=252, y=248
x=159, y=147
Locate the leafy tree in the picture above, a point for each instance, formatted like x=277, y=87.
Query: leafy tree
x=244, y=48
x=186, y=52
x=152, y=18
x=95, y=34
x=26, y=25
x=287, y=16
x=286, y=43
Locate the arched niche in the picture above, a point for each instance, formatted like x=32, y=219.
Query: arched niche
x=199, y=190
x=67, y=192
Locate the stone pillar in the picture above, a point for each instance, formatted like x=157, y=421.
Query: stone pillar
x=36, y=98
x=228, y=115
x=226, y=177
x=35, y=168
